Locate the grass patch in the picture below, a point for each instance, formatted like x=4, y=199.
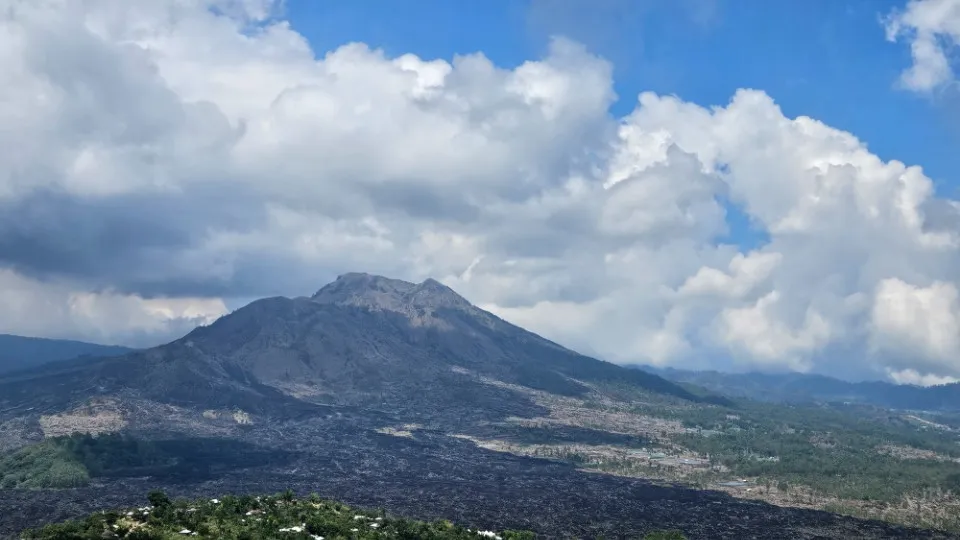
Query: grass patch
x=69, y=462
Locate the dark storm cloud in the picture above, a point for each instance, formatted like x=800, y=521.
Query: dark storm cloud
x=128, y=243
x=49, y=233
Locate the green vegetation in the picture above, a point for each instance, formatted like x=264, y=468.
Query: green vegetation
x=254, y=518
x=247, y=517
x=665, y=535
x=66, y=462
x=831, y=451
x=845, y=469
x=43, y=465
x=858, y=460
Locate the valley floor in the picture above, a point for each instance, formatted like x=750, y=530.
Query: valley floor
x=615, y=463
x=428, y=475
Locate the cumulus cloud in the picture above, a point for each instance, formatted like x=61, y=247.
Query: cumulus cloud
x=160, y=160
x=932, y=27
x=920, y=325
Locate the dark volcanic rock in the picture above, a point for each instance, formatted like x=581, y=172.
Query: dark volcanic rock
x=433, y=476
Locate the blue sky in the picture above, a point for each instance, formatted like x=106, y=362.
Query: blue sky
x=827, y=59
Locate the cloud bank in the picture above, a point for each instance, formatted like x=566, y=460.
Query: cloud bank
x=159, y=159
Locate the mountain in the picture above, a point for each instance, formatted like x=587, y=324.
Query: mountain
x=18, y=353
x=362, y=340
x=405, y=396
x=800, y=388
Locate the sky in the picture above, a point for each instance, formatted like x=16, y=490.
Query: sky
x=720, y=184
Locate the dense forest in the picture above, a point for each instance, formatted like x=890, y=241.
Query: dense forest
x=833, y=451
x=279, y=516
x=65, y=462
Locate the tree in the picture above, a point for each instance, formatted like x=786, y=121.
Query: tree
x=327, y=526
x=518, y=535
x=141, y=534
x=158, y=499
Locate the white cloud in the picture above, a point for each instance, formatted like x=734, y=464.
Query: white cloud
x=746, y=273
x=33, y=308
x=176, y=155
x=932, y=28
x=911, y=376
x=920, y=325
x=763, y=335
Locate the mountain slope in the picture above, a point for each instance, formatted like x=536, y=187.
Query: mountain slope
x=18, y=353
x=799, y=388
x=362, y=340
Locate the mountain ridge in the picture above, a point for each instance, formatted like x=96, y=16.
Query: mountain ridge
x=22, y=352
x=804, y=388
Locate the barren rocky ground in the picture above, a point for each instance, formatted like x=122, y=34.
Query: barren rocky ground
x=431, y=475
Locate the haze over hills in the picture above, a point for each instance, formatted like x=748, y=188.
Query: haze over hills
x=18, y=352
x=801, y=387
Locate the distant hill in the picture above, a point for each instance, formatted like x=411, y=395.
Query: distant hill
x=803, y=388
x=18, y=353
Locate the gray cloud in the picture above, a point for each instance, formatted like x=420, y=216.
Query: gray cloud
x=129, y=242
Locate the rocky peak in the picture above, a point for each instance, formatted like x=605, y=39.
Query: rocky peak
x=381, y=293
x=431, y=293
x=361, y=288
